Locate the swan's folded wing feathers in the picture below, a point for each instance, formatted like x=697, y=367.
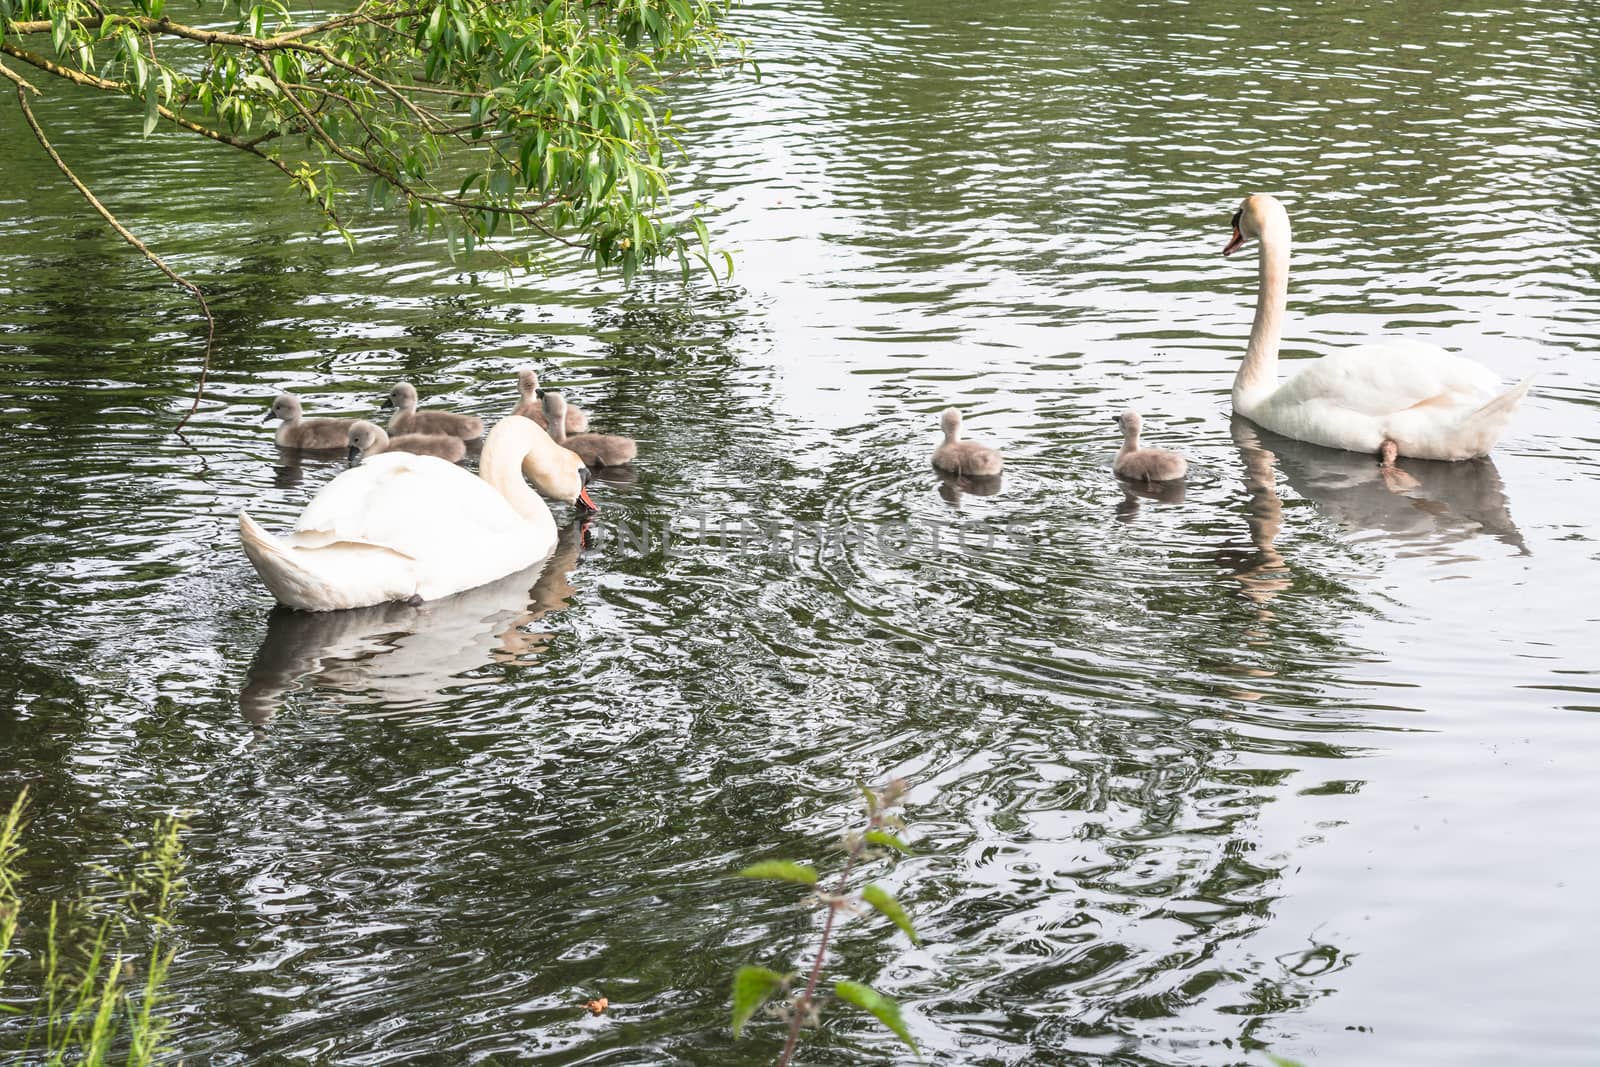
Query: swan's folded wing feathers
x=1388, y=378
x=418, y=506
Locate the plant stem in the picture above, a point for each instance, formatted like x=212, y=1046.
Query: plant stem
x=802, y=1004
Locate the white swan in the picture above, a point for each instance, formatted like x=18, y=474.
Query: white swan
x=402, y=526
x=1399, y=398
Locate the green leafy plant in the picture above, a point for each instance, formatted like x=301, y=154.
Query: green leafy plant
x=87, y=999
x=755, y=986
x=526, y=123
x=483, y=117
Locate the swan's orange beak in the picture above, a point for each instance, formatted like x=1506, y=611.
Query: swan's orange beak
x=1234, y=244
x=584, y=502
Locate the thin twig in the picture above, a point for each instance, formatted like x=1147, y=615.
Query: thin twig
x=127, y=235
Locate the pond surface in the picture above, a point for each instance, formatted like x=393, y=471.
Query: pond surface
x=1298, y=761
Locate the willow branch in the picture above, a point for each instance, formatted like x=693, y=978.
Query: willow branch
x=127, y=235
x=282, y=42
x=529, y=214
x=91, y=81
x=21, y=82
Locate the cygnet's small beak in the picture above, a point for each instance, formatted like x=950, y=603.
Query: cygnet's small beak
x=354, y=455
x=539, y=393
x=1234, y=244
x=388, y=402
x=269, y=416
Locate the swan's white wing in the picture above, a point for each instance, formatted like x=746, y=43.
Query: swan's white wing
x=1379, y=380
x=420, y=506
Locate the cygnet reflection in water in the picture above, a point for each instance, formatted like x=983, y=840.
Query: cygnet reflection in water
x=623, y=475
x=952, y=487
x=403, y=655
x=1134, y=492
x=293, y=463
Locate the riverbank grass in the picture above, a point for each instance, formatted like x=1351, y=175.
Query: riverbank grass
x=86, y=988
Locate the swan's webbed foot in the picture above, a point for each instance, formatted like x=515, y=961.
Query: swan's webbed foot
x=1397, y=480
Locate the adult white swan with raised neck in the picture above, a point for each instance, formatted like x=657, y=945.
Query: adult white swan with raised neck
x=402, y=527
x=1398, y=398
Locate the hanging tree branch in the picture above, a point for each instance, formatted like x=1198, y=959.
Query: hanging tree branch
x=541, y=109
x=123, y=232
x=495, y=121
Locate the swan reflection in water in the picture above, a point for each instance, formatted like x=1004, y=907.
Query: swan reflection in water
x=401, y=654
x=1431, y=507
x=1427, y=507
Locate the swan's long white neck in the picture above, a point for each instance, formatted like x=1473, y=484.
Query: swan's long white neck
x=1258, y=374
x=501, y=466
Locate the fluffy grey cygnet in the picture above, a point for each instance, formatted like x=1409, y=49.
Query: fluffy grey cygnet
x=369, y=439
x=1145, y=464
x=964, y=457
x=531, y=406
x=299, y=432
x=407, y=419
x=595, y=449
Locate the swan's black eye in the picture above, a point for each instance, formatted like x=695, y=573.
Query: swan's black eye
x=1236, y=216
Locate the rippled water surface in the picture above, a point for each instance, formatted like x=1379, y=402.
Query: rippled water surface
x=1297, y=760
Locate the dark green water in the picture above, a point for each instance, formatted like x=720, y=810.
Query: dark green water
x=1297, y=761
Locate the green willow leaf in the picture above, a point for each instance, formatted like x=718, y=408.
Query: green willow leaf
x=752, y=987
x=556, y=96
x=885, y=839
x=782, y=871
x=885, y=1009
x=890, y=908
x=152, y=100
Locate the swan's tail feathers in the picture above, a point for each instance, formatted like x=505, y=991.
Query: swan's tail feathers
x=284, y=575
x=1489, y=421
x=326, y=574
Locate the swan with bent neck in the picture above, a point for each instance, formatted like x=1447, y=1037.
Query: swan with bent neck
x=1397, y=398
x=417, y=528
